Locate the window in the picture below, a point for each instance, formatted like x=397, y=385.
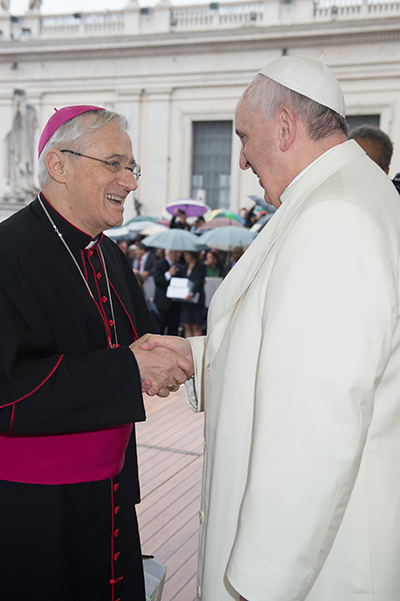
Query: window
x=357, y=120
x=211, y=162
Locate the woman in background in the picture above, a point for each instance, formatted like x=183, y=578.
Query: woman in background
x=193, y=310
x=212, y=264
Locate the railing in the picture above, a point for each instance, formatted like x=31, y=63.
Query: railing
x=348, y=9
x=163, y=18
x=93, y=24
x=214, y=16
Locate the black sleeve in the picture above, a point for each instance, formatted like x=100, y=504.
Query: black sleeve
x=198, y=276
x=159, y=270
x=42, y=393
x=47, y=390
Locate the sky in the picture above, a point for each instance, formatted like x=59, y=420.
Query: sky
x=19, y=7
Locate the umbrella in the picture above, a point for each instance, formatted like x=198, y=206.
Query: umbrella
x=138, y=226
x=260, y=223
x=141, y=218
x=225, y=238
x=262, y=203
x=154, y=229
x=192, y=208
x=118, y=233
x=219, y=222
x=174, y=239
x=227, y=214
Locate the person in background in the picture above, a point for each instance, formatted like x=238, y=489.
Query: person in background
x=198, y=223
x=160, y=254
x=154, y=312
x=212, y=264
x=236, y=253
x=178, y=220
x=169, y=309
x=144, y=260
x=131, y=254
x=299, y=373
x=377, y=145
x=193, y=309
x=72, y=372
x=123, y=245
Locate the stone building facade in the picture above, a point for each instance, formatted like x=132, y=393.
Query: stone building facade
x=177, y=73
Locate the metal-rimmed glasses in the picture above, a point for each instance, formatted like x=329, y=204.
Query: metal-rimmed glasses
x=113, y=166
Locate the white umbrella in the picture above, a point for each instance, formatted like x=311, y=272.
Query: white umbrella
x=174, y=239
x=138, y=226
x=225, y=238
x=153, y=229
x=117, y=233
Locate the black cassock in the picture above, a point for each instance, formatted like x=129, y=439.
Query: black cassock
x=59, y=382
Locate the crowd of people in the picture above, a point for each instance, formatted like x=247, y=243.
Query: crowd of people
x=187, y=316
x=298, y=371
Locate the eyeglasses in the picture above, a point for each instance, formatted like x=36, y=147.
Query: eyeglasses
x=113, y=166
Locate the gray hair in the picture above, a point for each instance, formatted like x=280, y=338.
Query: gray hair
x=71, y=134
x=379, y=138
x=268, y=96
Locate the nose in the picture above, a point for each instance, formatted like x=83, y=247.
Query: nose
x=243, y=164
x=127, y=180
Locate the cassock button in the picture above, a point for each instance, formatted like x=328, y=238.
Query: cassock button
x=112, y=582
x=90, y=253
x=98, y=275
x=208, y=369
x=116, y=556
x=114, y=345
x=111, y=323
x=198, y=591
x=201, y=517
x=116, y=532
x=116, y=510
x=104, y=299
x=116, y=486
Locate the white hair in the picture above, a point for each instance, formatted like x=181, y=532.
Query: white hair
x=268, y=96
x=72, y=132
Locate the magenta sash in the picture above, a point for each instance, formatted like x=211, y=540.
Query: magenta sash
x=64, y=458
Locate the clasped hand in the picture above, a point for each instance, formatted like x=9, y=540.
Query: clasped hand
x=164, y=361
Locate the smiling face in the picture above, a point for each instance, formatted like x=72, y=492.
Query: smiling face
x=92, y=197
x=260, y=148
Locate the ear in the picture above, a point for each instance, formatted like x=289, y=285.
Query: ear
x=56, y=166
x=287, y=128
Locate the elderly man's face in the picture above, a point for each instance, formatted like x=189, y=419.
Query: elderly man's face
x=95, y=195
x=259, y=150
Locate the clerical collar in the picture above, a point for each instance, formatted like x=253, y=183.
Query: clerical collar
x=93, y=242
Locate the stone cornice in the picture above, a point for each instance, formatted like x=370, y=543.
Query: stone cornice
x=245, y=39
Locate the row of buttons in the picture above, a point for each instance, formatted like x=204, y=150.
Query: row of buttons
x=115, y=555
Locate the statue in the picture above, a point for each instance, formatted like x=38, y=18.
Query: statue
x=5, y=4
x=35, y=4
x=20, y=148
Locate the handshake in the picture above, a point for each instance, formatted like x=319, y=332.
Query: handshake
x=165, y=362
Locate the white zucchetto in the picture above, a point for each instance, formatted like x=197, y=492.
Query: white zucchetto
x=308, y=77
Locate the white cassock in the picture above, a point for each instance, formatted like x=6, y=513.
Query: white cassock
x=299, y=377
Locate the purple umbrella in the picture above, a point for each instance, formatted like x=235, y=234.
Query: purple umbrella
x=192, y=208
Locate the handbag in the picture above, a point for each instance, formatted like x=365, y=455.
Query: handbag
x=154, y=577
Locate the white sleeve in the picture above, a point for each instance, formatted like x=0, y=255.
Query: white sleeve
x=194, y=386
